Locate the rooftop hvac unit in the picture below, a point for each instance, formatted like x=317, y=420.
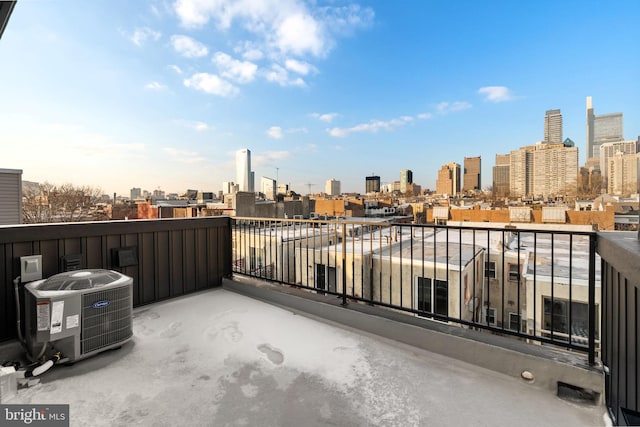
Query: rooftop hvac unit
x=80, y=313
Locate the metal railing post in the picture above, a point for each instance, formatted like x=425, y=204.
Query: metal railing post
x=592, y=299
x=344, y=263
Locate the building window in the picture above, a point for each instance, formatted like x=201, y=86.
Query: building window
x=490, y=316
x=514, y=322
x=326, y=277
x=514, y=272
x=432, y=299
x=556, y=319
x=490, y=269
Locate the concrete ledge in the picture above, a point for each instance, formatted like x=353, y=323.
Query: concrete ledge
x=500, y=354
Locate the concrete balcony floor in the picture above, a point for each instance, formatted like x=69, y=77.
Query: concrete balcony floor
x=221, y=358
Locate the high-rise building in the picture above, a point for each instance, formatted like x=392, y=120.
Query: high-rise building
x=136, y=193
x=543, y=170
x=555, y=170
x=406, y=178
x=448, y=181
x=268, y=187
x=501, y=175
x=244, y=176
x=520, y=171
x=472, y=171
x=623, y=174
x=602, y=129
x=553, y=127
x=372, y=184
x=332, y=187
x=611, y=149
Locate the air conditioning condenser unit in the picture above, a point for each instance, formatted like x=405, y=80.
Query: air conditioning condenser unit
x=79, y=313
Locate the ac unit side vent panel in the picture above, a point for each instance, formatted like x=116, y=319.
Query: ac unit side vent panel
x=106, y=318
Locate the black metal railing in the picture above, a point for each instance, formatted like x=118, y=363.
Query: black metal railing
x=536, y=285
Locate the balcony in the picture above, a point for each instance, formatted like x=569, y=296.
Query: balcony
x=523, y=315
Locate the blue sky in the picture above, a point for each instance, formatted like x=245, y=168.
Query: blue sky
x=160, y=94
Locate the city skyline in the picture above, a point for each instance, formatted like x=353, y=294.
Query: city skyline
x=163, y=94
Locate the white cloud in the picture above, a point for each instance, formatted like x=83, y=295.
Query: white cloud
x=184, y=156
x=188, y=47
x=175, y=68
x=280, y=75
x=269, y=158
x=300, y=34
x=300, y=67
x=232, y=69
x=372, y=127
x=210, y=83
x=193, y=124
x=274, y=132
x=327, y=117
x=253, y=55
x=155, y=86
x=141, y=35
x=424, y=116
x=450, y=107
x=282, y=26
x=496, y=93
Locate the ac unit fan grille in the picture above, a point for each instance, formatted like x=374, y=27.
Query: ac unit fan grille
x=106, y=318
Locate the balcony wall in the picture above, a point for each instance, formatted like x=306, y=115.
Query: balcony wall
x=620, y=254
x=172, y=257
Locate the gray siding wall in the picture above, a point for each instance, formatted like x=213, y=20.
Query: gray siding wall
x=10, y=197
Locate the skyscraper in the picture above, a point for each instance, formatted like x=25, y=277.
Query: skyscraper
x=623, y=174
x=601, y=129
x=555, y=170
x=372, y=184
x=590, y=122
x=543, y=170
x=243, y=170
x=136, y=193
x=553, y=127
x=610, y=149
x=472, y=178
x=332, y=187
x=501, y=175
x=406, y=178
x=448, y=181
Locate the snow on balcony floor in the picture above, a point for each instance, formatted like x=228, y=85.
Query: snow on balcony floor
x=219, y=358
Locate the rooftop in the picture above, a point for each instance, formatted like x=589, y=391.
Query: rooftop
x=220, y=358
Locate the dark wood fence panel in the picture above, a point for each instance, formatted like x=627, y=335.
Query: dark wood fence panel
x=173, y=256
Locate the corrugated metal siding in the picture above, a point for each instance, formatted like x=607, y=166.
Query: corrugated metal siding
x=554, y=214
x=10, y=195
x=519, y=214
x=441, y=212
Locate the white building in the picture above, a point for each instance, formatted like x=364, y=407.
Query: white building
x=624, y=172
x=611, y=149
x=228, y=187
x=332, y=187
x=244, y=175
x=268, y=187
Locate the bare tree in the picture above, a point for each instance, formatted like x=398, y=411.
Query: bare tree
x=48, y=202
